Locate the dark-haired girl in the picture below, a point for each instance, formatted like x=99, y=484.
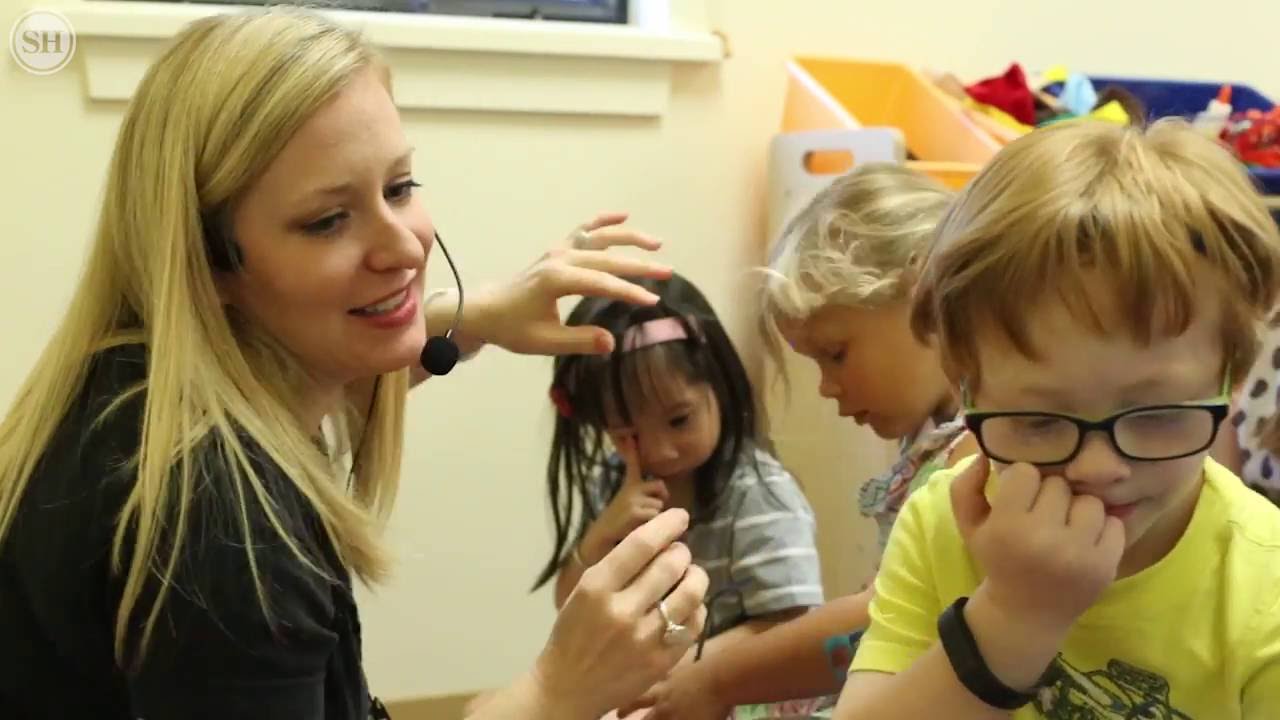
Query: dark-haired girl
x=669, y=419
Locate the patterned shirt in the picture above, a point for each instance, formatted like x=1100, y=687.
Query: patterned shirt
x=759, y=550
x=921, y=455
x=1256, y=408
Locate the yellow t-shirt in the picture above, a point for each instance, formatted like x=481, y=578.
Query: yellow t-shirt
x=1194, y=637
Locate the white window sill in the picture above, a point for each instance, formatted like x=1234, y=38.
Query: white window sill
x=448, y=62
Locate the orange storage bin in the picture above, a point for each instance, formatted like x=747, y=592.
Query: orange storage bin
x=829, y=93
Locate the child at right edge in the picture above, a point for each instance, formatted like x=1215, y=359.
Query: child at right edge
x=1096, y=291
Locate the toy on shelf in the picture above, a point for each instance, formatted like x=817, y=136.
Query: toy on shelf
x=1212, y=121
x=1244, y=119
x=1254, y=135
x=1009, y=105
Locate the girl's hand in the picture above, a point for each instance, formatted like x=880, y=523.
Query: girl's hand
x=522, y=315
x=637, y=502
x=687, y=694
x=607, y=644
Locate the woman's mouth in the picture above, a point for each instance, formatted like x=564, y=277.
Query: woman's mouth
x=394, y=311
x=382, y=307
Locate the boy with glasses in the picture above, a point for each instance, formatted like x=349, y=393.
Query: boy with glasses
x=1095, y=292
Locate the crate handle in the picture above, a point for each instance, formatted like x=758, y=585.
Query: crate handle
x=829, y=162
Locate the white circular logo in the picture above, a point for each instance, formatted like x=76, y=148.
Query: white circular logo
x=42, y=41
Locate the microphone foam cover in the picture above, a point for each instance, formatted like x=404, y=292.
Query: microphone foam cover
x=439, y=355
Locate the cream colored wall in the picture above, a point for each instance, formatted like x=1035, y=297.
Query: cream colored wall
x=471, y=518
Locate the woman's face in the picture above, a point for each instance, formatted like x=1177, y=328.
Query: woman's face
x=334, y=241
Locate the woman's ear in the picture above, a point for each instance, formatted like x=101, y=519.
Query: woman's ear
x=226, y=285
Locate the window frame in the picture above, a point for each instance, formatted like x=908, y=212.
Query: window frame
x=594, y=11
x=447, y=63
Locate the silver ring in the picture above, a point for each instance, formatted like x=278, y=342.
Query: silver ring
x=674, y=633
x=581, y=239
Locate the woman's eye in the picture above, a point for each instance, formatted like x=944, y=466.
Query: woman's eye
x=330, y=224
x=326, y=225
x=679, y=421
x=402, y=190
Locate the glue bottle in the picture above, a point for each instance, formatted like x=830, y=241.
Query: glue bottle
x=1213, y=119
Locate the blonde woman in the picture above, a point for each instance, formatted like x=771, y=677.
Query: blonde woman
x=178, y=522
x=838, y=292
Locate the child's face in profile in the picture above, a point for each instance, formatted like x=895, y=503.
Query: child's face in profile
x=1092, y=376
x=676, y=430
x=872, y=366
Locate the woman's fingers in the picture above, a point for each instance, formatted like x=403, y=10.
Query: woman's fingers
x=698, y=622
x=548, y=338
x=605, y=231
x=572, y=280
x=607, y=237
x=656, y=581
x=616, y=264
x=683, y=606
x=638, y=549
x=693, y=625
x=580, y=235
x=603, y=220
x=685, y=599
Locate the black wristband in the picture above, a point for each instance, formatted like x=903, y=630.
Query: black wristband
x=966, y=659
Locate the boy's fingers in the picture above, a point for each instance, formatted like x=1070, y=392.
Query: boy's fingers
x=1113, y=538
x=968, y=498
x=1017, y=488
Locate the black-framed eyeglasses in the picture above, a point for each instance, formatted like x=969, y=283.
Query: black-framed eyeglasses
x=1148, y=433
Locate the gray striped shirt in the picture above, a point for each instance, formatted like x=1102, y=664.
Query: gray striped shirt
x=759, y=550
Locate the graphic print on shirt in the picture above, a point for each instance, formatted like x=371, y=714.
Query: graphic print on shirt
x=1120, y=692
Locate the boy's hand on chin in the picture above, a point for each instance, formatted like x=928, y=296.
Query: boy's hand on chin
x=1047, y=557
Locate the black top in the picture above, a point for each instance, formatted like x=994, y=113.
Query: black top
x=213, y=653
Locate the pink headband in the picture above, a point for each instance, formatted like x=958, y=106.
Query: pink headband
x=653, y=332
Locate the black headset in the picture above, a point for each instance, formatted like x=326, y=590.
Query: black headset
x=439, y=355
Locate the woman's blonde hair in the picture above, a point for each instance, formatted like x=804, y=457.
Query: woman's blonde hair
x=1141, y=206
x=854, y=244
x=206, y=120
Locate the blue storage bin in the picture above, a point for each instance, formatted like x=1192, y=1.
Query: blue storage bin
x=1170, y=97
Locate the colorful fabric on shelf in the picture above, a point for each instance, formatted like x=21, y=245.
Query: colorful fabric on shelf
x=1009, y=92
